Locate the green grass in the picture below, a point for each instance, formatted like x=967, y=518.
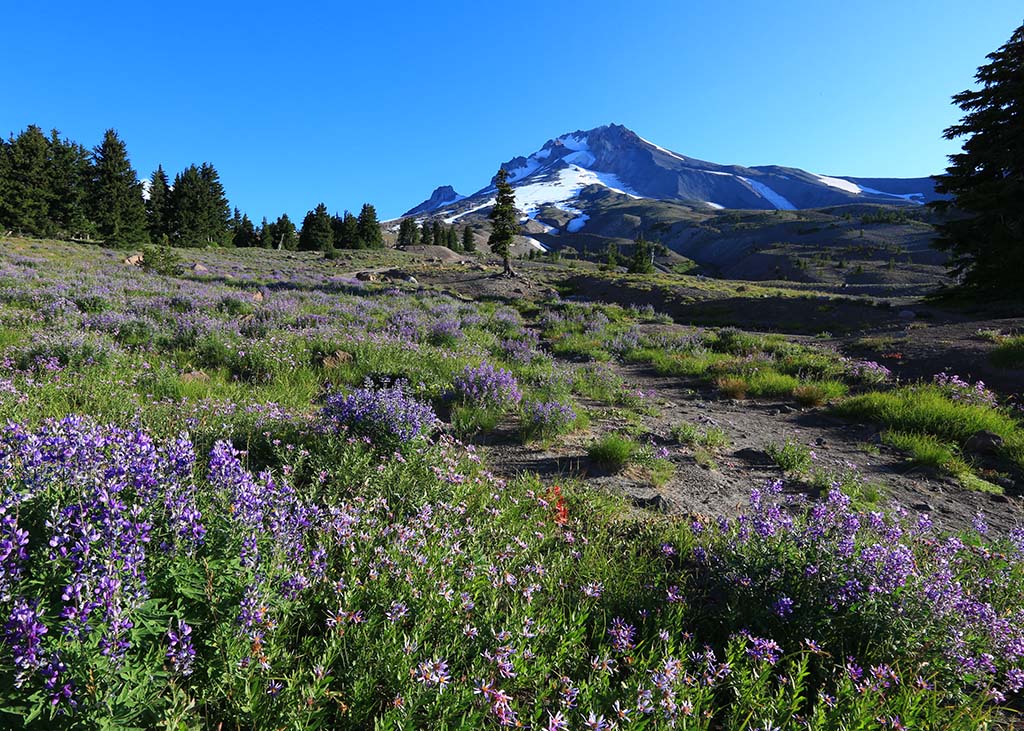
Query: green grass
x=1009, y=353
x=691, y=435
x=927, y=451
x=790, y=456
x=926, y=410
x=614, y=452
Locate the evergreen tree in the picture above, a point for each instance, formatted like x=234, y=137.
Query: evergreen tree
x=185, y=220
x=157, y=205
x=280, y=234
x=427, y=234
x=68, y=176
x=452, y=239
x=986, y=180
x=613, y=256
x=266, y=234
x=641, y=261
x=346, y=231
x=369, y=228
x=317, y=234
x=468, y=239
x=116, y=197
x=408, y=233
x=244, y=234
x=504, y=221
x=25, y=205
x=215, y=209
x=437, y=233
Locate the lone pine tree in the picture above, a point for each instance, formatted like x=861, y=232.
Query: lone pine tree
x=986, y=179
x=504, y=221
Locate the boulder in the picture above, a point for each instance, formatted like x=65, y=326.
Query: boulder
x=257, y=296
x=198, y=268
x=195, y=377
x=907, y=314
x=984, y=443
x=135, y=260
x=366, y=276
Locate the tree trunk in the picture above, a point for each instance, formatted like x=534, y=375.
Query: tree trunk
x=509, y=271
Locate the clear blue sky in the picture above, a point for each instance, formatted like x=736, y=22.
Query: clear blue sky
x=295, y=103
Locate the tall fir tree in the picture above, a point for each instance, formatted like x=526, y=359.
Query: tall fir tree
x=216, y=211
x=346, y=231
x=116, y=197
x=642, y=260
x=317, y=234
x=185, y=220
x=157, y=206
x=244, y=233
x=504, y=222
x=451, y=239
x=986, y=180
x=280, y=234
x=427, y=233
x=369, y=228
x=408, y=233
x=25, y=205
x=69, y=173
x=437, y=233
x=468, y=239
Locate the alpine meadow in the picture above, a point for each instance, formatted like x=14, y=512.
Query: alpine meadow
x=620, y=439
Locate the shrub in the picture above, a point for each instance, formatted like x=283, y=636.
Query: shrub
x=387, y=415
x=161, y=260
x=790, y=456
x=733, y=387
x=819, y=392
x=1009, y=353
x=613, y=452
x=487, y=387
x=543, y=420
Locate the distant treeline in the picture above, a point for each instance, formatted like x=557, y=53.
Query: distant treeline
x=55, y=187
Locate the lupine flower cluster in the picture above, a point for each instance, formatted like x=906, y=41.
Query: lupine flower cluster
x=545, y=419
x=964, y=391
x=487, y=387
x=387, y=414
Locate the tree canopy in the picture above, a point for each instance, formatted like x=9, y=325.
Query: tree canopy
x=985, y=234
x=504, y=221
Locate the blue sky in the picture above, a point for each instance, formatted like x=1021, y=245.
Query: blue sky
x=297, y=103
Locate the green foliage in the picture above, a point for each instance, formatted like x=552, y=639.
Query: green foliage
x=790, y=456
x=504, y=220
x=316, y=234
x=280, y=234
x=116, y=195
x=408, y=233
x=613, y=452
x=161, y=260
x=468, y=239
x=984, y=180
x=368, y=228
x=927, y=450
x=642, y=259
x=1009, y=353
x=198, y=212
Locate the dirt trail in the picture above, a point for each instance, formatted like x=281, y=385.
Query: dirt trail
x=750, y=426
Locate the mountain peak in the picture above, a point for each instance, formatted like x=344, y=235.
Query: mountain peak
x=442, y=195
x=616, y=158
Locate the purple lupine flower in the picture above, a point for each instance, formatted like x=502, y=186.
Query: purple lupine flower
x=486, y=386
x=180, y=650
x=387, y=415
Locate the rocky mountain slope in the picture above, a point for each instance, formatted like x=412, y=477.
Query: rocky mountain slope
x=616, y=159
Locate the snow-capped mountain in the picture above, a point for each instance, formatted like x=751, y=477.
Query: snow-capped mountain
x=618, y=160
